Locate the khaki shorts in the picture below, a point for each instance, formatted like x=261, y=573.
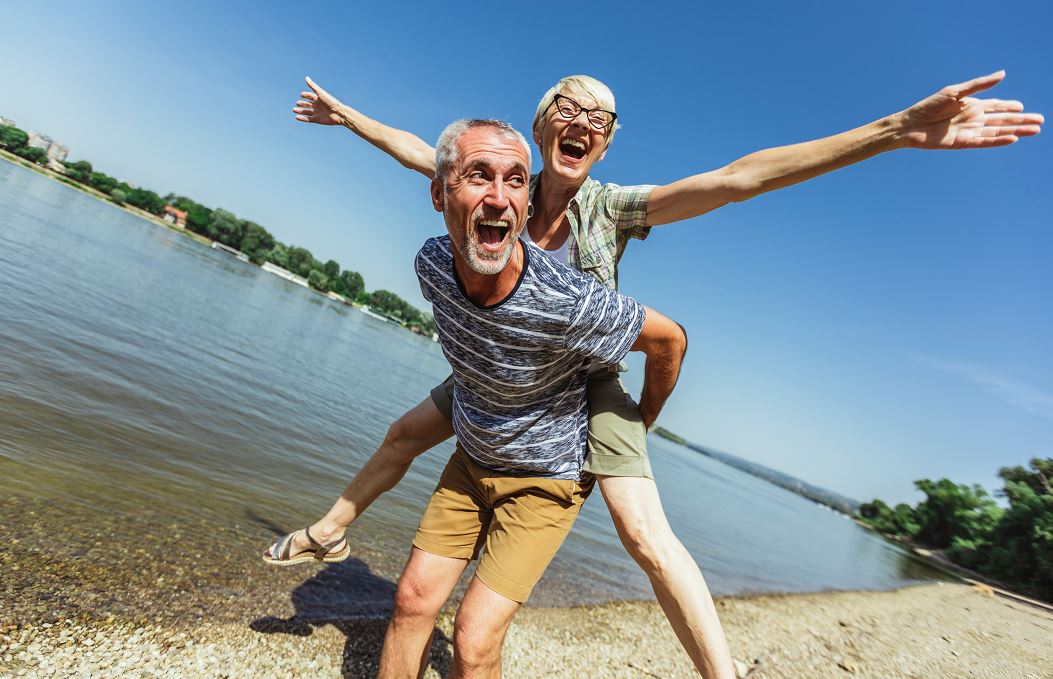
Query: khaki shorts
x=521, y=522
x=617, y=437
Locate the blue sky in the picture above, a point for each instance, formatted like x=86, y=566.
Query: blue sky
x=888, y=322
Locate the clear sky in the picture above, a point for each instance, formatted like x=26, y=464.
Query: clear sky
x=888, y=322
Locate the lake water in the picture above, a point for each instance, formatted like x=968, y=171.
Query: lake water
x=151, y=385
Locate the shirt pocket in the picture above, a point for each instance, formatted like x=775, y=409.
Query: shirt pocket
x=599, y=265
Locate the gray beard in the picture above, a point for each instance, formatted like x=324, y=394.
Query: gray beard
x=489, y=266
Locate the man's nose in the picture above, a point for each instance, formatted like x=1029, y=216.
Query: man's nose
x=497, y=196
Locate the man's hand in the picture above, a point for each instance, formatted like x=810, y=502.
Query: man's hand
x=318, y=106
x=952, y=119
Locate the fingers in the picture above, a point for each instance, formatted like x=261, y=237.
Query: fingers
x=1011, y=131
x=309, y=96
x=1000, y=105
x=996, y=119
x=988, y=142
x=311, y=84
x=975, y=85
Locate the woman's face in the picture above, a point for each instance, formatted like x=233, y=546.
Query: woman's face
x=570, y=146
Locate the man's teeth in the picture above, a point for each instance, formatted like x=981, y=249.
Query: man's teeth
x=497, y=223
x=576, y=143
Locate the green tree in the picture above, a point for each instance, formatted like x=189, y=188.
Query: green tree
x=145, y=199
x=1021, y=543
x=331, y=269
x=12, y=138
x=225, y=227
x=318, y=280
x=300, y=261
x=103, y=182
x=279, y=255
x=256, y=241
x=953, y=510
x=118, y=196
x=351, y=284
x=81, y=166
x=32, y=154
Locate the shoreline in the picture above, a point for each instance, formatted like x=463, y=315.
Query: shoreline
x=922, y=631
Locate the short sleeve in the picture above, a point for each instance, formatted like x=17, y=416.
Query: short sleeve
x=626, y=207
x=418, y=266
x=605, y=323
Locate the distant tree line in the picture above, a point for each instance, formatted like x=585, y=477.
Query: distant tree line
x=1013, y=544
x=244, y=235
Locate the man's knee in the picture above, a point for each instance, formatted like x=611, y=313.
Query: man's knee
x=476, y=644
x=415, y=599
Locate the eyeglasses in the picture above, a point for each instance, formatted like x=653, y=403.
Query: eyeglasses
x=598, y=118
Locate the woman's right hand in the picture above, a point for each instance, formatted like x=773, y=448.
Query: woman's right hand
x=318, y=106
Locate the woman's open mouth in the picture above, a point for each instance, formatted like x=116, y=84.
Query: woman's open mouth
x=573, y=149
x=492, y=233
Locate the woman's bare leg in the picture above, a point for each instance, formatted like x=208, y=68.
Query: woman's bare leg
x=677, y=581
x=420, y=429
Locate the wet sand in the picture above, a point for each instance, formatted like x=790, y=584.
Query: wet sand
x=129, y=597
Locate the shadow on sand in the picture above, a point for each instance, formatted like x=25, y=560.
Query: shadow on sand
x=357, y=602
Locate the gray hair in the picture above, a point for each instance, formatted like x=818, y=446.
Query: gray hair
x=446, y=147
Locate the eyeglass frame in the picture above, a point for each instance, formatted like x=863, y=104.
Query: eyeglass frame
x=606, y=128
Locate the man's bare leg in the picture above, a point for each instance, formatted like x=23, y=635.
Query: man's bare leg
x=677, y=581
x=419, y=430
x=479, y=632
x=424, y=586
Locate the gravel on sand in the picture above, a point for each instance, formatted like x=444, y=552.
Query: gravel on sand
x=948, y=630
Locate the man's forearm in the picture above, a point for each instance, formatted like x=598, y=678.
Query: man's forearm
x=408, y=149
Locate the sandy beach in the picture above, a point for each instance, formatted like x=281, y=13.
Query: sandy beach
x=949, y=630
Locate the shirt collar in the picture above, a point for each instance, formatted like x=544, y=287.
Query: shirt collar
x=535, y=181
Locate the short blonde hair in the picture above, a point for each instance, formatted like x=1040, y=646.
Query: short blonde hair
x=578, y=84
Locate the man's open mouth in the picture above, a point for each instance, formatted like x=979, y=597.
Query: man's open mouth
x=492, y=233
x=573, y=148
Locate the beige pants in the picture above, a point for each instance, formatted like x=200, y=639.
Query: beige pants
x=521, y=522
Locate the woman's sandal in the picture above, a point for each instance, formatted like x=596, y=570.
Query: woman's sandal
x=279, y=556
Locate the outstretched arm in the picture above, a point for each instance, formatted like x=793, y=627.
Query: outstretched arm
x=949, y=119
x=665, y=343
x=318, y=106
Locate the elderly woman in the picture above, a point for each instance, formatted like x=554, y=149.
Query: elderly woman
x=587, y=225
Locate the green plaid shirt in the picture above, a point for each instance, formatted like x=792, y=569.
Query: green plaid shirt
x=603, y=217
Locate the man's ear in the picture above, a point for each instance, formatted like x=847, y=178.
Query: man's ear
x=537, y=131
x=438, y=200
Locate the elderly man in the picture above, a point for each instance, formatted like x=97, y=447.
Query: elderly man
x=520, y=331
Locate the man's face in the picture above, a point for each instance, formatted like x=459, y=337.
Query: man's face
x=570, y=147
x=485, y=198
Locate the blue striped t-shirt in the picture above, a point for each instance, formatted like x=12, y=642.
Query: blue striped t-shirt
x=520, y=365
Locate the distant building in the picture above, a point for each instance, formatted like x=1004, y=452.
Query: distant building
x=39, y=141
x=57, y=153
x=174, y=216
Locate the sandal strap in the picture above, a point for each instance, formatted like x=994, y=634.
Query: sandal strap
x=320, y=550
x=282, y=547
